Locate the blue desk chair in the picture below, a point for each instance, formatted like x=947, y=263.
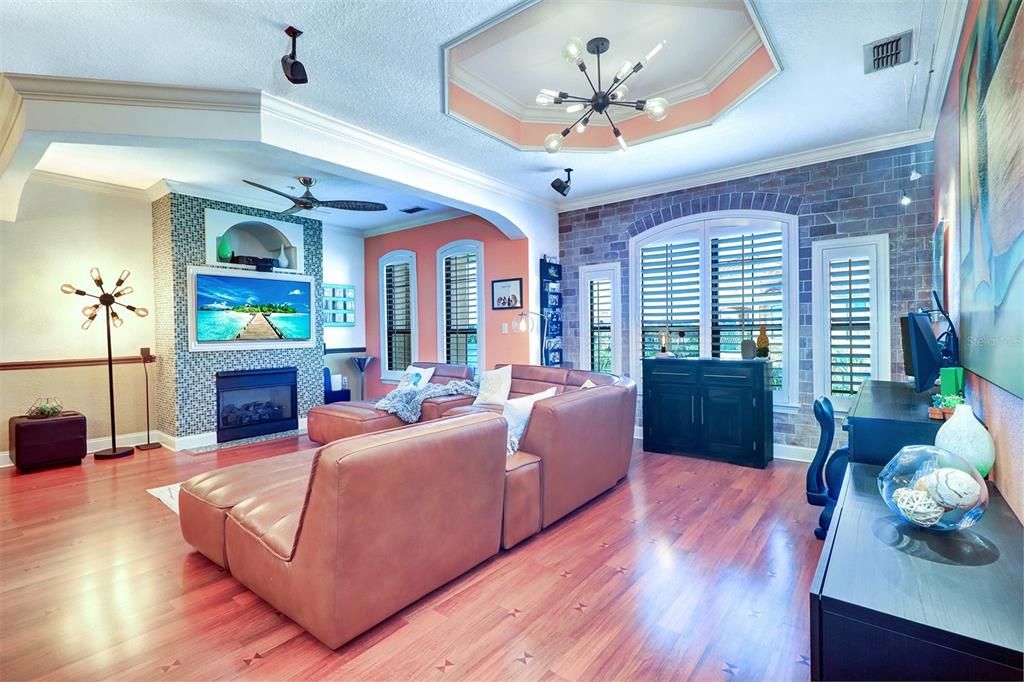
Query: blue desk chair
x=825, y=474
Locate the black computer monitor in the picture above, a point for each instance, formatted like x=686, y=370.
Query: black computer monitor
x=924, y=358
x=908, y=355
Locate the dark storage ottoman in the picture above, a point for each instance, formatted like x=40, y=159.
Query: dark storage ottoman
x=45, y=442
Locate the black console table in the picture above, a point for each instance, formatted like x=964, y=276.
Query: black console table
x=890, y=601
x=718, y=409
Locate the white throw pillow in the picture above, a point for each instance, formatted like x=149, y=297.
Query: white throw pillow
x=494, y=386
x=517, y=412
x=588, y=384
x=415, y=378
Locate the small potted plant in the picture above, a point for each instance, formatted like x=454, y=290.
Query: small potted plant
x=44, y=408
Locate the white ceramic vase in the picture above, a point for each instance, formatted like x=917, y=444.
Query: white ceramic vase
x=964, y=435
x=282, y=258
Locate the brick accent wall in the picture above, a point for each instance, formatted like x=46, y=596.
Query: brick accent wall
x=185, y=381
x=854, y=196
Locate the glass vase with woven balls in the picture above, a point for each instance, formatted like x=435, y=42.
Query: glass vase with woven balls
x=933, y=488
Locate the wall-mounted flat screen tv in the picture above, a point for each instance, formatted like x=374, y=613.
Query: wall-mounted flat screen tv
x=245, y=309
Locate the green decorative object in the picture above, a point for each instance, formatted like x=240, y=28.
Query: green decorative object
x=223, y=249
x=951, y=379
x=44, y=408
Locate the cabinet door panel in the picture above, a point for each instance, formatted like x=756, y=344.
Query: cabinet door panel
x=668, y=419
x=727, y=423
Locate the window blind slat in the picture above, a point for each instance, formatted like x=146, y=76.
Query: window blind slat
x=850, y=332
x=670, y=298
x=398, y=322
x=461, y=309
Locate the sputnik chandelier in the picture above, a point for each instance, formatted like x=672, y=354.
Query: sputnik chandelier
x=602, y=100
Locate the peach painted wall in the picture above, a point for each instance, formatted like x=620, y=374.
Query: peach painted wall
x=1002, y=412
x=504, y=258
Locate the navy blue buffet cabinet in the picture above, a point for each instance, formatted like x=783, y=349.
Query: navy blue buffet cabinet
x=717, y=409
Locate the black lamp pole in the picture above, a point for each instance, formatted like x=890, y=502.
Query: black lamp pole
x=108, y=300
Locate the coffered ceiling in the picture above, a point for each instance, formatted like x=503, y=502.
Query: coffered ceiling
x=377, y=65
x=714, y=57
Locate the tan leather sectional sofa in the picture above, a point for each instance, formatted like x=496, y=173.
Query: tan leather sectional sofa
x=341, y=537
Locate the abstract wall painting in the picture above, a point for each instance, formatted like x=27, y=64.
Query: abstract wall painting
x=991, y=224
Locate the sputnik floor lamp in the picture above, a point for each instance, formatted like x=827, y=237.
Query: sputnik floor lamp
x=108, y=300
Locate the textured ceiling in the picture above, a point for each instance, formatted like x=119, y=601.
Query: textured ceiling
x=377, y=64
x=219, y=173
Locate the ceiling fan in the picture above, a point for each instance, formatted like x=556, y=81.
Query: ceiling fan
x=308, y=202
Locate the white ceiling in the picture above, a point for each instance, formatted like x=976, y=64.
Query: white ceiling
x=376, y=64
x=698, y=35
x=219, y=173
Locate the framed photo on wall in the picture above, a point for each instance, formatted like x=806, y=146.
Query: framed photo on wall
x=507, y=294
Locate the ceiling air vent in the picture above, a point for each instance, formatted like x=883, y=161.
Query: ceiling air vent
x=888, y=52
x=412, y=209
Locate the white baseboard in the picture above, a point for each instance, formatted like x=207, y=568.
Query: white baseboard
x=170, y=442
x=795, y=453
x=202, y=440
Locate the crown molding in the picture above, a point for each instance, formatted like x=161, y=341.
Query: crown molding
x=127, y=93
x=396, y=151
x=740, y=51
x=526, y=112
x=951, y=23
x=87, y=185
x=778, y=163
x=434, y=217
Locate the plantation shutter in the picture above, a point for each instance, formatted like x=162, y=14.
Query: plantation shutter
x=460, y=309
x=746, y=292
x=398, y=311
x=600, y=325
x=849, y=324
x=670, y=297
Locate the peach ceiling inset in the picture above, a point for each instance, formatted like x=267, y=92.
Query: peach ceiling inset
x=714, y=57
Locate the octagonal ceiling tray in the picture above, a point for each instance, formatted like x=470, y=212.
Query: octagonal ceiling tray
x=715, y=55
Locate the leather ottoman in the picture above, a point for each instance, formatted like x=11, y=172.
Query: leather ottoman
x=44, y=442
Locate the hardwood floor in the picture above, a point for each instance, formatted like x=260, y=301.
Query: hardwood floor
x=689, y=569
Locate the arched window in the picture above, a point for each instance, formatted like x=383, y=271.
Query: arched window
x=398, y=323
x=702, y=284
x=460, y=310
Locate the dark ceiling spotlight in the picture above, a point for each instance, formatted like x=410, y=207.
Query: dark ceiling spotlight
x=562, y=186
x=294, y=71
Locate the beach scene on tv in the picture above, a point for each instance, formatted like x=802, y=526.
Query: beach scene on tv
x=251, y=309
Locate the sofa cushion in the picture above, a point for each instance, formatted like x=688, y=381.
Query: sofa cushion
x=521, y=517
x=415, y=378
x=328, y=423
x=530, y=379
x=517, y=411
x=494, y=386
x=206, y=499
x=273, y=518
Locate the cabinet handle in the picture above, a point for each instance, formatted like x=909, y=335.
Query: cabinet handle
x=671, y=374
x=725, y=376
x=692, y=416
x=702, y=409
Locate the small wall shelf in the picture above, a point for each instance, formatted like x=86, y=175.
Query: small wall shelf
x=339, y=305
x=248, y=236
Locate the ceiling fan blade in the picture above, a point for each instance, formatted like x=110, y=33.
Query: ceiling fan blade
x=294, y=209
x=354, y=205
x=269, y=189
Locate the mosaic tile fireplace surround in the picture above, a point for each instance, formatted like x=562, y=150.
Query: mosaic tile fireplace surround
x=185, y=391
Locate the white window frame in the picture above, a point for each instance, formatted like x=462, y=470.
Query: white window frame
x=876, y=249
x=724, y=223
x=456, y=248
x=397, y=258
x=588, y=273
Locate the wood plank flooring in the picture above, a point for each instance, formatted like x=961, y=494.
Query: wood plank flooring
x=689, y=569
